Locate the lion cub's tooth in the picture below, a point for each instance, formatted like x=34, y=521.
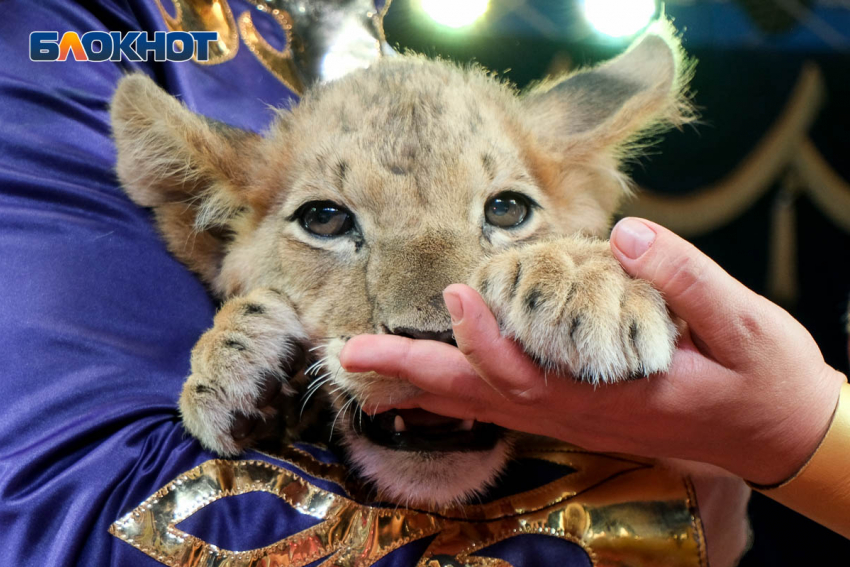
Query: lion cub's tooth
x=466, y=424
x=398, y=424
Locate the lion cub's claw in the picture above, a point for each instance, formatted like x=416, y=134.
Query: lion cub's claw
x=240, y=371
x=575, y=311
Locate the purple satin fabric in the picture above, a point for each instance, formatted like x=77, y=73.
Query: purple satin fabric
x=96, y=318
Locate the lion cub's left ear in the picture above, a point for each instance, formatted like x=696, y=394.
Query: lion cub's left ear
x=198, y=175
x=607, y=107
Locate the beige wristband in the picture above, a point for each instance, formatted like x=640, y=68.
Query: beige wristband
x=821, y=489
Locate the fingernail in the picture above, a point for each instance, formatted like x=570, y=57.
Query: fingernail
x=345, y=356
x=455, y=307
x=632, y=237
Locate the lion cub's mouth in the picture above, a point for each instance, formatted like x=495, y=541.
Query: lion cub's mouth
x=420, y=430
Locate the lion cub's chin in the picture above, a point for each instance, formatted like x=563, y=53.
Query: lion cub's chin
x=427, y=479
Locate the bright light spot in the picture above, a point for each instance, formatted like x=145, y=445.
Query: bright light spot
x=335, y=64
x=455, y=13
x=619, y=18
x=353, y=48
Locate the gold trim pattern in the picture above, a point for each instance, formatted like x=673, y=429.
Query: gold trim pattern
x=207, y=15
x=785, y=154
x=825, y=187
x=785, y=146
x=720, y=203
x=620, y=510
x=278, y=63
x=357, y=22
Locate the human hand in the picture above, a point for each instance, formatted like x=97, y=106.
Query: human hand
x=748, y=389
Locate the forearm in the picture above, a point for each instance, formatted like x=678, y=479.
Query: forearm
x=821, y=490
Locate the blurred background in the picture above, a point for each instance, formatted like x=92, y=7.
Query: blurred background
x=761, y=184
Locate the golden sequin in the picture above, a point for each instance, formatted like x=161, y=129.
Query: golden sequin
x=619, y=510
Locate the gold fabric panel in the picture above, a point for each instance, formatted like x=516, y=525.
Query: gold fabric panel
x=620, y=510
x=205, y=15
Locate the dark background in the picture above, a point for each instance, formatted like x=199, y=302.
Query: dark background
x=750, y=54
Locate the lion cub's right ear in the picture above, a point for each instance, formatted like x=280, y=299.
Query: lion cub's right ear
x=193, y=171
x=606, y=108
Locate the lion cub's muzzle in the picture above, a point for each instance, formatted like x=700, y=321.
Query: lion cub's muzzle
x=446, y=336
x=420, y=430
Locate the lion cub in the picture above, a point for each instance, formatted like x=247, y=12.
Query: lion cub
x=357, y=208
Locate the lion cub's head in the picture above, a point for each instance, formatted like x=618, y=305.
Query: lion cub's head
x=378, y=191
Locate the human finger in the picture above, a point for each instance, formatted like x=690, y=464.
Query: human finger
x=432, y=366
x=497, y=359
x=694, y=286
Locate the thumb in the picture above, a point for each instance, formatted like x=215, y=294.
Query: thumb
x=694, y=286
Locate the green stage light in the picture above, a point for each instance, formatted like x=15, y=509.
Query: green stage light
x=619, y=18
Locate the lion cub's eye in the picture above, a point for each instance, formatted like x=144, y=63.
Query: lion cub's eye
x=325, y=218
x=507, y=210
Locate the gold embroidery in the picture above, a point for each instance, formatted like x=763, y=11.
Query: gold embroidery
x=332, y=472
x=206, y=15
x=697, y=522
x=279, y=62
x=619, y=510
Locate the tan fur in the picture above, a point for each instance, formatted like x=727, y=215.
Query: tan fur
x=250, y=337
x=414, y=148
x=568, y=302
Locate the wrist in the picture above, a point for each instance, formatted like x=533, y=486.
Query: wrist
x=793, y=439
x=821, y=489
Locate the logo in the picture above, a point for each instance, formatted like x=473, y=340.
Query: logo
x=115, y=46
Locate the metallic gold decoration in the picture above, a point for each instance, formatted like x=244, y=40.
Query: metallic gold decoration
x=620, y=510
x=205, y=15
x=324, y=39
x=821, y=489
x=785, y=146
x=280, y=63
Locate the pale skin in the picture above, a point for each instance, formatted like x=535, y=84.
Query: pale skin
x=748, y=389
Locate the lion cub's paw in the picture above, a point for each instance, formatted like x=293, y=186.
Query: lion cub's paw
x=574, y=310
x=240, y=368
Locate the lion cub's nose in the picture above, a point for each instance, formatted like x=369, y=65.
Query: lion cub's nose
x=442, y=336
